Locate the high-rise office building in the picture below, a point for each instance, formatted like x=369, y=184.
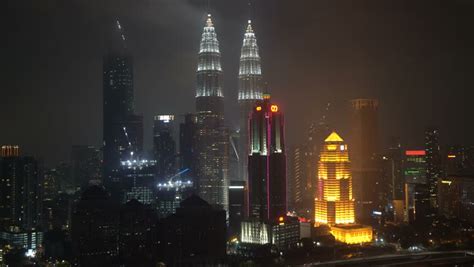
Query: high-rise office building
x=456, y=196
x=170, y=194
x=364, y=142
x=21, y=181
x=395, y=170
x=237, y=201
x=212, y=137
x=122, y=129
x=137, y=234
x=334, y=204
x=414, y=166
x=95, y=228
x=433, y=163
x=458, y=159
x=164, y=146
x=250, y=90
x=267, y=162
x=137, y=180
x=194, y=236
x=86, y=164
x=187, y=144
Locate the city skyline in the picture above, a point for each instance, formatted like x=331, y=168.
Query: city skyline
x=340, y=137
x=345, y=66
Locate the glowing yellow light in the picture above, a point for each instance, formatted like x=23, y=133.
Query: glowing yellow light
x=451, y=156
x=280, y=219
x=333, y=137
x=352, y=234
x=258, y=108
x=446, y=182
x=274, y=108
x=336, y=205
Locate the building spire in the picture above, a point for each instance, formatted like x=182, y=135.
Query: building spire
x=250, y=72
x=209, y=62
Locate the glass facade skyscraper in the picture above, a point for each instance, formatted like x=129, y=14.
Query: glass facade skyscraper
x=211, y=136
x=250, y=90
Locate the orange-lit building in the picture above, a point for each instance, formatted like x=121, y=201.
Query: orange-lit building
x=334, y=204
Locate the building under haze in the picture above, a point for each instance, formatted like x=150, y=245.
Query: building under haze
x=86, y=164
x=164, y=146
x=266, y=162
x=433, y=163
x=334, y=204
x=21, y=181
x=122, y=128
x=364, y=142
x=211, y=136
x=187, y=144
x=250, y=90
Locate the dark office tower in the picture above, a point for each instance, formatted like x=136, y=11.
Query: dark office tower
x=395, y=170
x=164, y=146
x=296, y=180
x=433, y=163
x=137, y=234
x=267, y=162
x=364, y=147
x=20, y=191
x=187, y=133
x=122, y=129
x=212, y=138
x=250, y=90
x=95, y=228
x=237, y=197
x=194, y=236
x=86, y=164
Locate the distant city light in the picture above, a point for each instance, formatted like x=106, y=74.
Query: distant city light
x=236, y=187
x=415, y=153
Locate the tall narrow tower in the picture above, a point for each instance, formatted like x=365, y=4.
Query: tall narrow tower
x=122, y=128
x=250, y=90
x=267, y=162
x=212, y=137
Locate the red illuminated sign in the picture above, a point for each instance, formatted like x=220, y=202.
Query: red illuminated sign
x=415, y=153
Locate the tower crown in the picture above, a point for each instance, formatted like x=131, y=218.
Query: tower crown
x=250, y=70
x=334, y=138
x=209, y=68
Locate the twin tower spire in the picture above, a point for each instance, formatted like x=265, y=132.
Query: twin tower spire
x=209, y=70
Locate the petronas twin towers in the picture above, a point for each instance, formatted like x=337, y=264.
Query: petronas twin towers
x=212, y=137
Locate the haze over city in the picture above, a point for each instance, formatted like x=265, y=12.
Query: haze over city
x=237, y=133
x=414, y=56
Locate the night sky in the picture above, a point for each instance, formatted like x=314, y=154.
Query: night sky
x=415, y=56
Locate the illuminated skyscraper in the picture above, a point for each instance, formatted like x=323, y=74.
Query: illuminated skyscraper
x=212, y=137
x=267, y=162
x=433, y=163
x=250, y=90
x=334, y=204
